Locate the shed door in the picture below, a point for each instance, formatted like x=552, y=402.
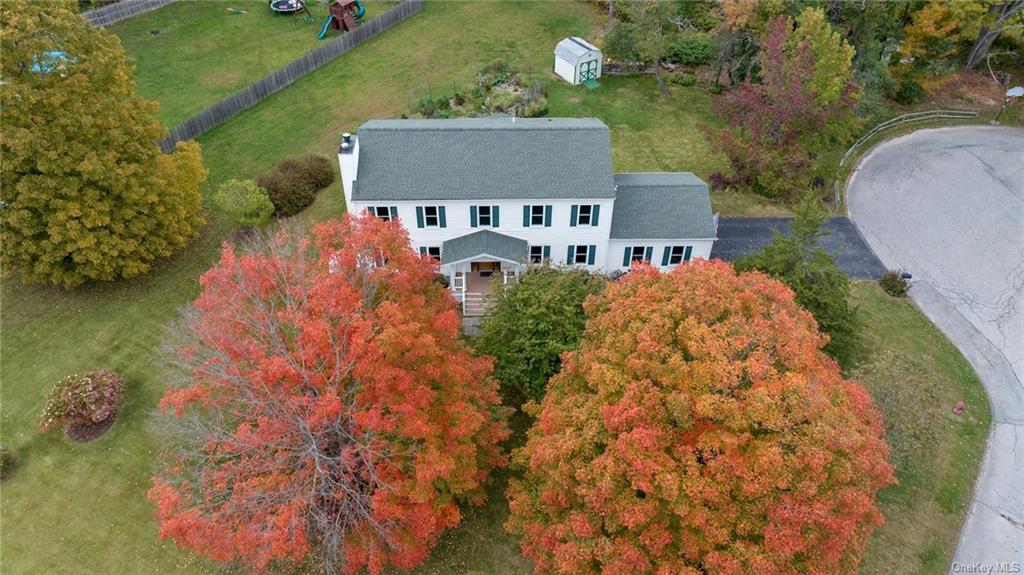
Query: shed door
x=588, y=70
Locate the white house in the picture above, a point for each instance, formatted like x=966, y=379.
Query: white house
x=577, y=61
x=487, y=196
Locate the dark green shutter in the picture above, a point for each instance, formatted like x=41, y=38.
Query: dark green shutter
x=570, y=256
x=648, y=253
x=591, y=254
x=547, y=216
x=665, y=255
x=423, y=251
x=526, y=216
x=494, y=216
x=372, y=210
x=574, y=215
x=547, y=252
x=625, y=256
x=689, y=250
x=394, y=212
x=440, y=215
x=472, y=216
x=419, y=216
x=595, y=211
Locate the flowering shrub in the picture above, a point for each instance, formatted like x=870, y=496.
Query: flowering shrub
x=83, y=400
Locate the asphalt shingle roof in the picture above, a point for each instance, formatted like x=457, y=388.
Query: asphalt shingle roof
x=484, y=159
x=483, y=242
x=661, y=206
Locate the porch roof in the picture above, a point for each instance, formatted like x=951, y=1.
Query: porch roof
x=483, y=243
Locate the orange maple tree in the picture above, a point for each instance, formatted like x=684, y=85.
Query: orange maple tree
x=324, y=411
x=701, y=430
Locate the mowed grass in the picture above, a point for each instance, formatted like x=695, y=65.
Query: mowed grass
x=189, y=55
x=916, y=376
x=81, y=508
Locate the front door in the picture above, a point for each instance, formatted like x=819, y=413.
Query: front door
x=588, y=70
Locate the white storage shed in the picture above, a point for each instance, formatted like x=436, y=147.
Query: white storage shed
x=577, y=61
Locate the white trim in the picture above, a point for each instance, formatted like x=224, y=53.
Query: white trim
x=483, y=255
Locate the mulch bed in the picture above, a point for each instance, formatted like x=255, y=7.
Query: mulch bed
x=86, y=432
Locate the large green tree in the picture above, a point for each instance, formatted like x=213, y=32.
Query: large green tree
x=820, y=286
x=650, y=22
x=86, y=192
x=532, y=323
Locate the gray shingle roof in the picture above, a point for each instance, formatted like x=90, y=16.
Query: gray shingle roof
x=571, y=48
x=661, y=206
x=483, y=242
x=484, y=159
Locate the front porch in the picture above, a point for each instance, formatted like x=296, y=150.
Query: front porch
x=479, y=262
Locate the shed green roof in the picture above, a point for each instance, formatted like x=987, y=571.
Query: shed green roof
x=484, y=159
x=484, y=242
x=661, y=206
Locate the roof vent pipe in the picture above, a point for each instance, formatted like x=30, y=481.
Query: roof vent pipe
x=346, y=138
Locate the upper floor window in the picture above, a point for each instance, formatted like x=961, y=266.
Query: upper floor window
x=386, y=213
x=430, y=217
x=675, y=255
x=537, y=215
x=585, y=215
x=483, y=216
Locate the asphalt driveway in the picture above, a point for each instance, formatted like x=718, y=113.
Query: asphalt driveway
x=741, y=236
x=947, y=205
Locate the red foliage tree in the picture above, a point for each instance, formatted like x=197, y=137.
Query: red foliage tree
x=325, y=410
x=699, y=430
x=775, y=125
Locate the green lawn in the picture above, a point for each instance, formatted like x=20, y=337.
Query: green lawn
x=81, y=508
x=202, y=52
x=916, y=376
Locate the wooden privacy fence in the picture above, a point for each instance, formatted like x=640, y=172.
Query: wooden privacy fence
x=272, y=83
x=113, y=13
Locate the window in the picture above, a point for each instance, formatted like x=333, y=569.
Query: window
x=430, y=217
x=432, y=251
x=539, y=253
x=536, y=215
x=637, y=254
x=676, y=255
x=386, y=213
x=483, y=216
x=581, y=255
x=584, y=215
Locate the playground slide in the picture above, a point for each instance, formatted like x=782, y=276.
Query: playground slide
x=360, y=9
x=326, y=28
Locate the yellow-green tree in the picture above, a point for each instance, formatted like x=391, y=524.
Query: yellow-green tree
x=86, y=193
x=938, y=29
x=832, y=55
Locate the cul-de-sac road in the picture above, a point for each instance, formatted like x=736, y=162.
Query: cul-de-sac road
x=947, y=205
